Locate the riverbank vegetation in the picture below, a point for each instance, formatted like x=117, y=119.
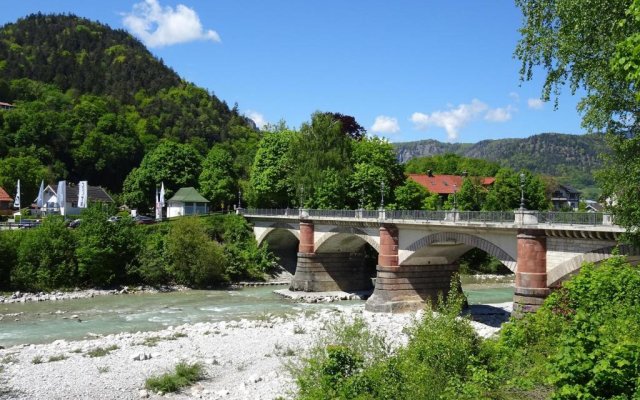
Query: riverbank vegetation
x=193, y=251
x=582, y=344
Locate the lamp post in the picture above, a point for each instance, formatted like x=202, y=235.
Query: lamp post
x=382, y=195
x=239, y=199
x=522, y=178
x=301, y=196
x=361, y=198
x=455, y=188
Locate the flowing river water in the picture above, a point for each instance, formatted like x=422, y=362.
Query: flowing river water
x=43, y=322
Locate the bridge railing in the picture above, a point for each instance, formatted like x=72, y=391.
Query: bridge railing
x=569, y=218
x=540, y=217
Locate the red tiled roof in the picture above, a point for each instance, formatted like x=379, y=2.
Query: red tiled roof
x=4, y=196
x=443, y=184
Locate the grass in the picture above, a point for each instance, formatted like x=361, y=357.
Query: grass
x=57, y=358
x=9, y=359
x=103, y=369
x=184, y=375
x=154, y=340
x=101, y=351
x=299, y=330
x=36, y=360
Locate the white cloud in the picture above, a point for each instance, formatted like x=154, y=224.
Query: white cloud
x=451, y=120
x=159, y=26
x=536, y=104
x=384, y=124
x=514, y=96
x=500, y=114
x=256, y=117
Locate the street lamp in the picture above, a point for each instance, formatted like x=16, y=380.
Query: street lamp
x=455, y=187
x=301, y=196
x=362, y=198
x=239, y=199
x=522, y=178
x=382, y=194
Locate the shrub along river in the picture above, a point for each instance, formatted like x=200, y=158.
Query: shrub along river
x=43, y=322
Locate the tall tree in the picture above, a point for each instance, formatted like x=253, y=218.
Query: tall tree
x=271, y=185
x=593, y=45
x=506, y=192
x=175, y=164
x=217, y=179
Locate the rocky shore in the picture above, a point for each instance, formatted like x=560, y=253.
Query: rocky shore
x=241, y=359
x=25, y=297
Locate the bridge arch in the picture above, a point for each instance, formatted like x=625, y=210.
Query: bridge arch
x=345, y=239
x=422, y=246
x=276, y=229
x=570, y=267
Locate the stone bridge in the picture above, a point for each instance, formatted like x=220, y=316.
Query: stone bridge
x=417, y=251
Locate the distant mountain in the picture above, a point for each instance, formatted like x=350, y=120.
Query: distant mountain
x=571, y=158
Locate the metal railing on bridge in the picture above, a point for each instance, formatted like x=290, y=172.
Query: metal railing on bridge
x=506, y=217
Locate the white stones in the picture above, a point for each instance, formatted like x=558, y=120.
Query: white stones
x=143, y=394
x=141, y=356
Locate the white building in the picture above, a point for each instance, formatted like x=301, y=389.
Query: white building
x=95, y=194
x=187, y=201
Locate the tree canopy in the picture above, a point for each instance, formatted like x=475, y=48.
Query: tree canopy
x=593, y=46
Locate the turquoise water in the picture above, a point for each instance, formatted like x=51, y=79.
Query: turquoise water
x=77, y=319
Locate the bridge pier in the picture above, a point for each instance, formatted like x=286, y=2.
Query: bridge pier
x=327, y=272
x=531, y=271
x=409, y=287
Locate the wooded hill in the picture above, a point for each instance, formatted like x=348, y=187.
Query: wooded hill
x=571, y=158
x=91, y=101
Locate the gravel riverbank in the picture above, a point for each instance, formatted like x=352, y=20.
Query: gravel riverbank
x=242, y=359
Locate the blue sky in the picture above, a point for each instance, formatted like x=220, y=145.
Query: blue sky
x=406, y=70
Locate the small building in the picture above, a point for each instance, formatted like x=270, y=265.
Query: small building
x=95, y=194
x=565, y=197
x=187, y=201
x=444, y=185
x=5, y=106
x=6, y=203
x=593, y=206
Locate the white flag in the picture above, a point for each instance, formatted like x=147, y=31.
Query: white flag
x=82, y=194
x=40, y=199
x=16, y=203
x=61, y=194
x=162, y=195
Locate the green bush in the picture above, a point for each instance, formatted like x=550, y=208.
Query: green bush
x=183, y=376
x=9, y=241
x=46, y=258
x=151, y=266
x=194, y=259
x=599, y=353
x=105, y=249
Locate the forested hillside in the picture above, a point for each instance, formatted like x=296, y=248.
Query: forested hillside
x=571, y=158
x=91, y=101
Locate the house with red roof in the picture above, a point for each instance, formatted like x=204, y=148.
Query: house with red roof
x=444, y=185
x=6, y=203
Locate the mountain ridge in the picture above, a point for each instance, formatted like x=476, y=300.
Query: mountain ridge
x=571, y=158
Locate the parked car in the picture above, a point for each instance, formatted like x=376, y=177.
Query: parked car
x=75, y=223
x=144, y=220
x=114, y=218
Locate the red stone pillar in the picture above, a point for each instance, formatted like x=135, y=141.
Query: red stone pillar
x=531, y=271
x=388, y=255
x=306, y=237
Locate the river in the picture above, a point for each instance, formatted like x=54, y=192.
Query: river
x=44, y=322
